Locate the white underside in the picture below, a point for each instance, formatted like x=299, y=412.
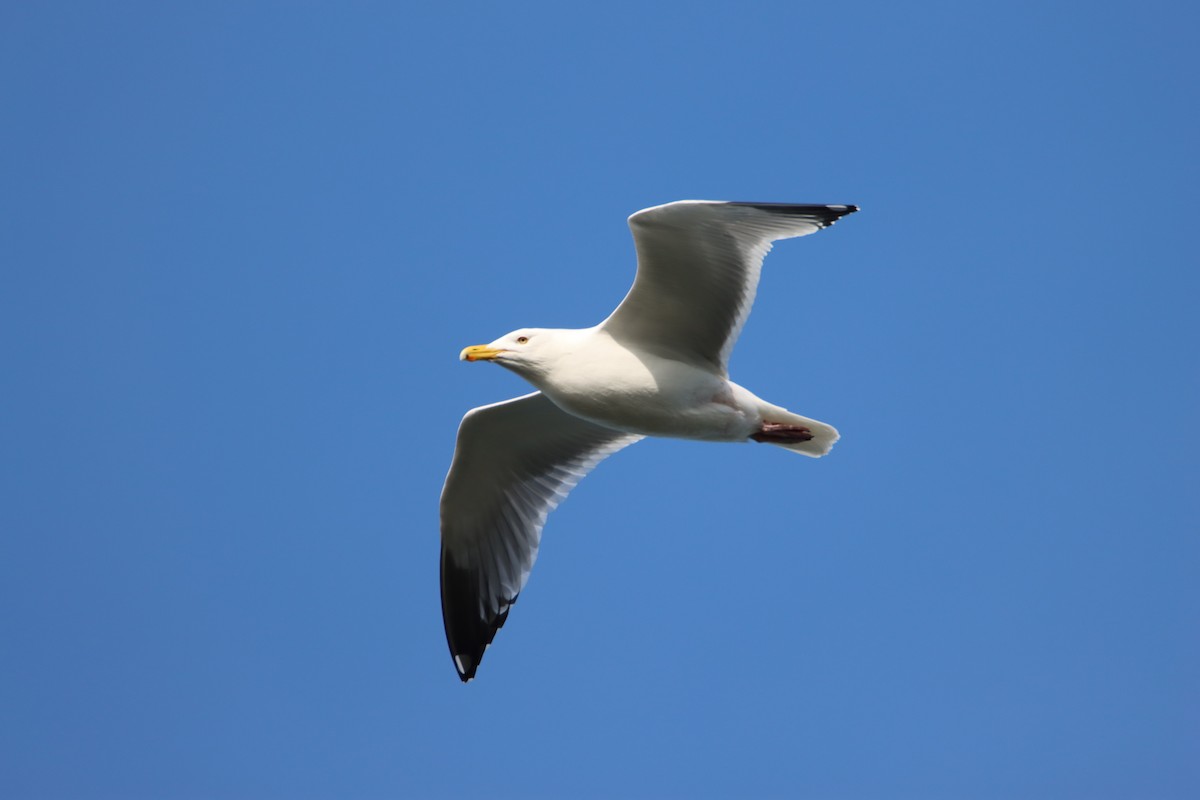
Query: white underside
x=638, y=392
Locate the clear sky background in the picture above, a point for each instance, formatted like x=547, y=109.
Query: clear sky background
x=243, y=243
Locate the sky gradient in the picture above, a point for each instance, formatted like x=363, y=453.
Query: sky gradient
x=243, y=244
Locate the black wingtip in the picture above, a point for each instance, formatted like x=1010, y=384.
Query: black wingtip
x=823, y=215
x=468, y=633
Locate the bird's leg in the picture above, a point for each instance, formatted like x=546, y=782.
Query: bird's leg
x=778, y=433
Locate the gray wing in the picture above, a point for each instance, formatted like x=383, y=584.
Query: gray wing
x=513, y=463
x=697, y=274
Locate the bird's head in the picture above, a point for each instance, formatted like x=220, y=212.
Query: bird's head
x=525, y=351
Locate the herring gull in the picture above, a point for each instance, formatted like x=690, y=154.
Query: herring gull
x=655, y=367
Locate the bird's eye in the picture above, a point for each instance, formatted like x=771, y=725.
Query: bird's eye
x=522, y=339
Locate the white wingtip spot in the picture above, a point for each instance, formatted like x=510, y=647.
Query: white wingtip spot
x=462, y=664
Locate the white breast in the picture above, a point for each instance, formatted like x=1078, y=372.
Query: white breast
x=646, y=394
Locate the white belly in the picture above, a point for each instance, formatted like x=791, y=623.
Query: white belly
x=656, y=397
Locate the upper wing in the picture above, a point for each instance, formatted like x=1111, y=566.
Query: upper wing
x=513, y=463
x=698, y=268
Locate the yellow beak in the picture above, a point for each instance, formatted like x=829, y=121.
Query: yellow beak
x=479, y=352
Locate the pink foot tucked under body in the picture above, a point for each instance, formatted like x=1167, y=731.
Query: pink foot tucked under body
x=776, y=433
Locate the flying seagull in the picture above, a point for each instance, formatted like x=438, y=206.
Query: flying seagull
x=655, y=367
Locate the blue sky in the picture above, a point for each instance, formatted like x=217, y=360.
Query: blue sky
x=243, y=244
